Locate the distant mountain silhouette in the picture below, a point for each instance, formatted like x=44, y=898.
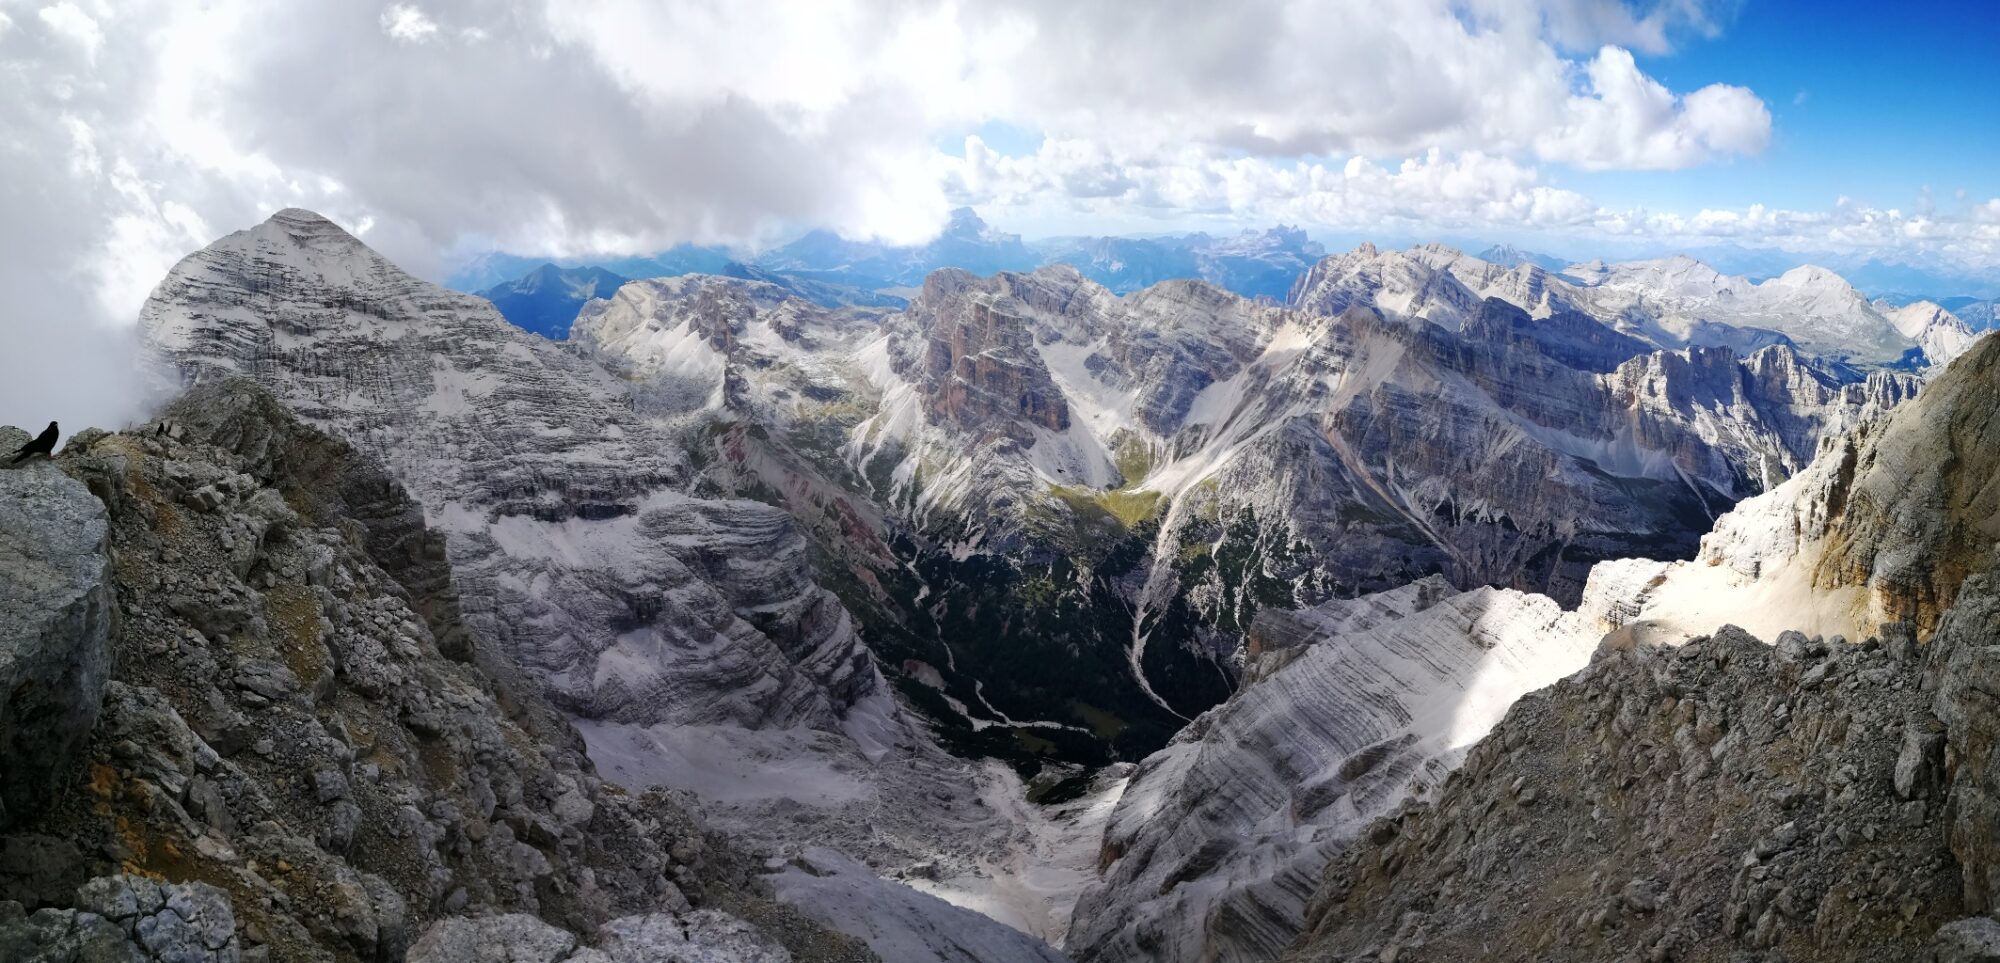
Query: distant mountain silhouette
x=546, y=299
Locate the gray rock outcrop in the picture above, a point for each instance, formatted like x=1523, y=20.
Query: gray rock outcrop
x=55, y=626
x=1964, y=673
x=1975, y=939
x=125, y=918
x=698, y=937
x=1718, y=801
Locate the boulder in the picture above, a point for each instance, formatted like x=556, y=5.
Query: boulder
x=1975, y=939
x=126, y=918
x=501, y=938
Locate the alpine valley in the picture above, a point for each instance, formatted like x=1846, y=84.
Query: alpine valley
x=1182, y=599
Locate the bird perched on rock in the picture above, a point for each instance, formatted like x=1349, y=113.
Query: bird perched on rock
x=44, y=444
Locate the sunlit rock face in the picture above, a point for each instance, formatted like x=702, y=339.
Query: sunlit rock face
x=1353, y=707
x=1883, y=526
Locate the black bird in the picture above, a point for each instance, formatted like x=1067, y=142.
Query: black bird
x=44, y=444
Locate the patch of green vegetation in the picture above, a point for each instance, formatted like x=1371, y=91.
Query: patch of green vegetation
x=928, y=468
x=1039, y=592
x=1063, y=785
x=1088, y=525
x=845, y=412
x=1249, y=563
x=1131, y=507
x=1134, y=456
x=1205, y=501
x=1128, y=508
x=1010, y=618
x=880, y=471
x=819, y=433
x=1107, y=725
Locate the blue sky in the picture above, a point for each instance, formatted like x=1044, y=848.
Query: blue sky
x=1877, y=116
x=1870, y=100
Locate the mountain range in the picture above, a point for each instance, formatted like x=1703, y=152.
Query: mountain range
x=831, y=270
x=1445, y=606
x=1668, y=303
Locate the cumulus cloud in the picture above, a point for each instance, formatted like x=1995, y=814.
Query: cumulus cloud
x=1585, y=24
x=1629, y=120
x=408, y=24
x=1284, y=78
x=1435, y=190
x=68, y=22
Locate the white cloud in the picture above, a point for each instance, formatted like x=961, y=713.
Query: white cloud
x=581, y=125
x=1585, y=25
x=68, y=21
x=1967, y=239
x=1285, y=78
x=1435, y=190
x=408, y=24
x=1628, y=120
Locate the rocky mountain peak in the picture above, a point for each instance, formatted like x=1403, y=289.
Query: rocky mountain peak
x=314, y=232
x=1283, y=237
x=1940, y=334
x=1915, y=512
x=1811, y=276
x=1436, y=254
x=1510, y=256
x=300, y=220
x=507, y=438
x=964, y=222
